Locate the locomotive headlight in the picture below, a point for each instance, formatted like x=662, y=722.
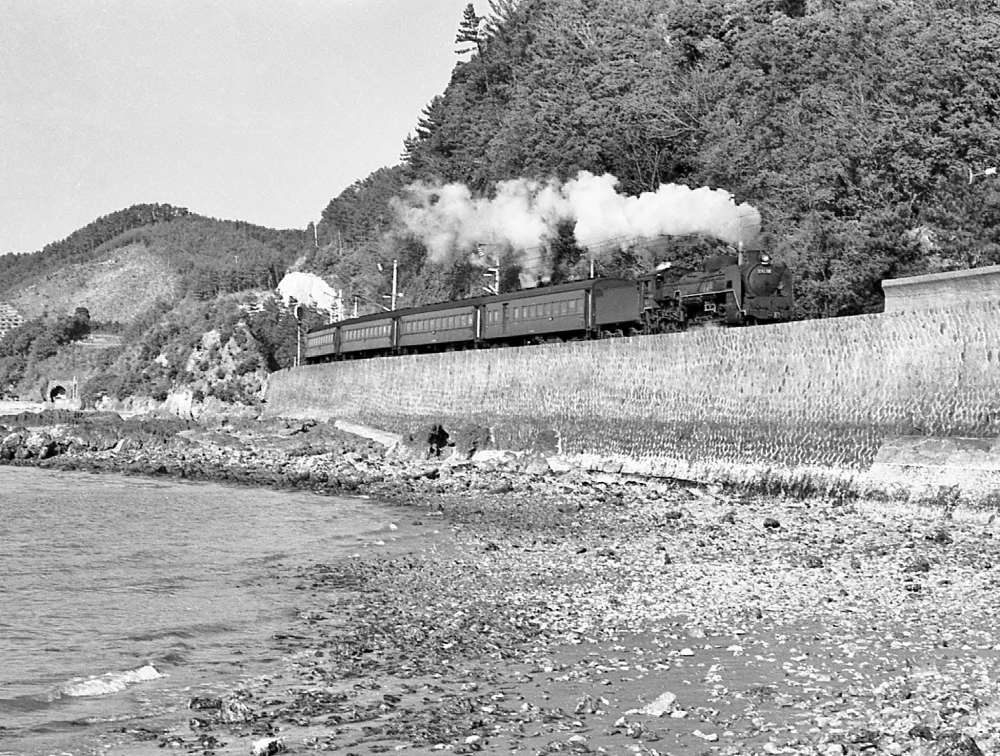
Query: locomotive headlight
x=765, y=259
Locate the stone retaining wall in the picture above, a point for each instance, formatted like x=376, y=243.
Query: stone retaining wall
x=937, y=290
x=814, y=395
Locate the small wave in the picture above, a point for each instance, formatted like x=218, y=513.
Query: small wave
x=112, y=682
x=188, y=632
x=176, y=658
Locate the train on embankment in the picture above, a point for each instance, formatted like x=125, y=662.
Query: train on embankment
x=735, y=290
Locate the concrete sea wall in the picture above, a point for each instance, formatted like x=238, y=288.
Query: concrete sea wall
x=826, y=397
x=941, y=290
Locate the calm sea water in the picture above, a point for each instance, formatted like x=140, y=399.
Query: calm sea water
x=121, y=597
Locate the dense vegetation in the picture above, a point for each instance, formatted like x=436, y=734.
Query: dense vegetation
x=213, y=257
x=851, y=124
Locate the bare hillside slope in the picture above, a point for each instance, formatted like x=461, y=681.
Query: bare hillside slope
x=115, y=288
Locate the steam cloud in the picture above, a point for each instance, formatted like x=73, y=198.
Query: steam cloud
x=524, y=216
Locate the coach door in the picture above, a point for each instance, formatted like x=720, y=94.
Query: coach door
x=506, y=315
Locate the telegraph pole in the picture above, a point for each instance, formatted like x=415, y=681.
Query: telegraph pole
x=493, y=272
x=395, y=282
x=988, y=172
x=298, y=335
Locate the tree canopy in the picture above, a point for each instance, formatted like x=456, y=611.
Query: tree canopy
x=851, y=124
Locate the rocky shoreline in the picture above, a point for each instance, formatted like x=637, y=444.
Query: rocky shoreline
x=569, y=611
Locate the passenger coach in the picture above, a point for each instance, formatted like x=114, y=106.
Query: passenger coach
x=578, y=310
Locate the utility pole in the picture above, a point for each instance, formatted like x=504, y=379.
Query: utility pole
x=392, y=304
x=987, y=172
x=395, y=283
x=493, y=272
x=298, y=336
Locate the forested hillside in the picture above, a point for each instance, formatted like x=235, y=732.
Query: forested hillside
x=852, y=125
x=206, y=256
x=190, y=299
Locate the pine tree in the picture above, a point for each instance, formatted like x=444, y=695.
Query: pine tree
x=468, y=31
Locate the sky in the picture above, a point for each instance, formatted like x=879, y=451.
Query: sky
x=253, y=110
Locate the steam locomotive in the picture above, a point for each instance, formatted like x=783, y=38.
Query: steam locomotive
x=733, y=290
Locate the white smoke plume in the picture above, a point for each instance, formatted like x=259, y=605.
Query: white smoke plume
x=524, y=215
x=308, y=289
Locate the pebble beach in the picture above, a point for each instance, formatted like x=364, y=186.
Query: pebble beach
x=525, y=606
